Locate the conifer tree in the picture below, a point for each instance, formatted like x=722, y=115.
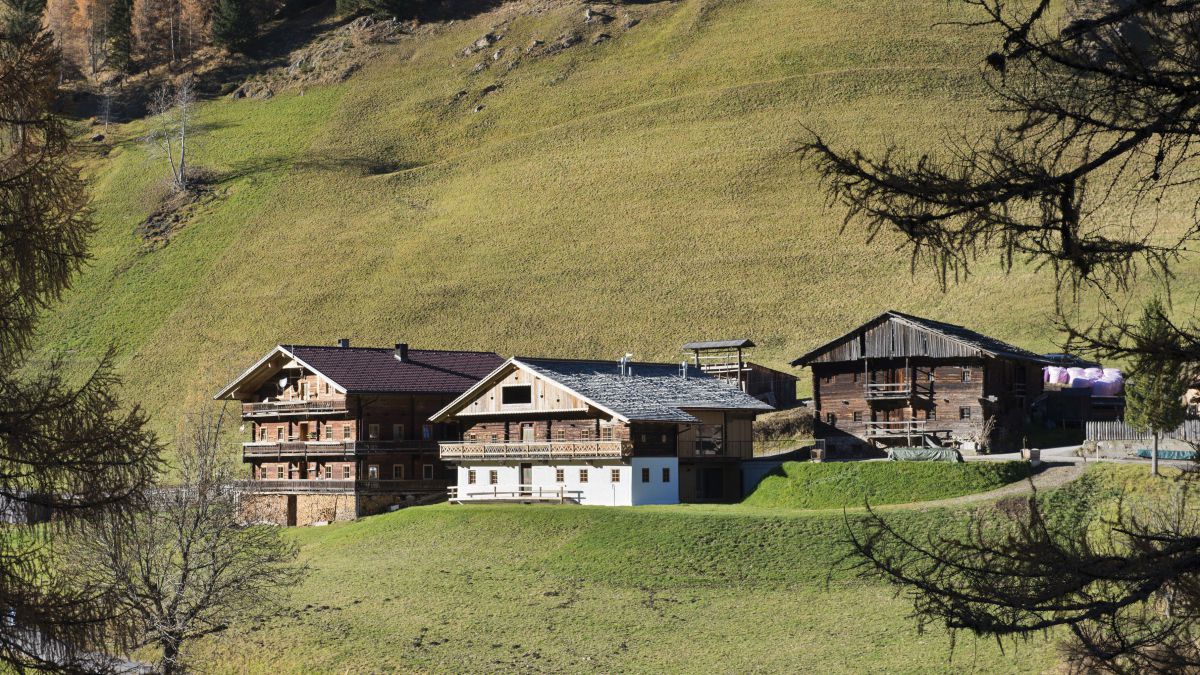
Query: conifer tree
x=120, y=54
x=233, y=24
x=1154, y=394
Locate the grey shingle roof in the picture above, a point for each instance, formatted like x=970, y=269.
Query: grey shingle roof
x=980, y=341
x=426, y=371
x=654, y=392
x=719, y=344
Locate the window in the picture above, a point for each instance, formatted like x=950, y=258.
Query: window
x=857, y=416
x=397, y=432
x=470, y=476
x=328, y=471
x=471, y=437
x=427, y=432
x=262, y=472
x=829, y=379
x=966, y=374
x=931, y=414
x=606, y=433
x=964, y=413
x=346, y=432
x=560, y=476
x=279, y=433
x=427, y=472
x=328, y=432
x=855, y=376
x=346, y=471
x=615, y=475
x=831, y=419
x=373, y=432
x=666, y=474
x=645, y=474
x=397, y=472
x=585, y=434
x=516, y=395
x=583, y=475
x=560, y=434
x=303, y=390
x=373, y=472
x=326, y=387
x=262, y=433
x=279, y=472
x=493, y=477
x=495, y=438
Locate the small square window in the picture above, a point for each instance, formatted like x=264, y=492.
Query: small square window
x=279, y=472
x=346, y=471
x=493, y=477
x=615, y=475
x=470, y=476
x=495, y=438
x=345, y=432
x=645, y=474
x=583, y=475
x=966, y=374
x=666, y=474
x=857, y=416
x=427, y=471
x=560, y=476
x=471, y=437
x=964, y=413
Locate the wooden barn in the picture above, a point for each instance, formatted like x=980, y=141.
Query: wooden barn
x=901, y=380
x=727, y=361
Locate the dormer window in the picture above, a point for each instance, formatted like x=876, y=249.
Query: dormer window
x=521, y=394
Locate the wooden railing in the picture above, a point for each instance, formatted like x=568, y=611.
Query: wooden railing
x=319, y=448
x=522, y=493
x=880, y=391
x=320, y=485
x=897, y=428
x=534, y=450
x=268, y=408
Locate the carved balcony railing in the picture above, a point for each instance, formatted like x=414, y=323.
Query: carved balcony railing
x=310, y=407
x=313, y=448
x=547, y=450
x=326, y=486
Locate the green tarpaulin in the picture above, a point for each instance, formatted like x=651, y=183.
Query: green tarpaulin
x=1168, y=454
x=924, y=455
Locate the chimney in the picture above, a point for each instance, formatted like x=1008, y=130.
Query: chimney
x=402, y=351
x=343, y=342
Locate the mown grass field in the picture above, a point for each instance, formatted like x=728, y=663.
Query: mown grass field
x=805, y=485
x=580, y=589
x=623, y=196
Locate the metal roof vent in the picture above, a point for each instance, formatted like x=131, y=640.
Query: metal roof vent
x=343, y=342
x=402, y=351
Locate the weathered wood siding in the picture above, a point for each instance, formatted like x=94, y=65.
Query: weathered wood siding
x=545, y=396
x=892, y=339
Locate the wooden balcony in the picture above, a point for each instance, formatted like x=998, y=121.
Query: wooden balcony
x=312, y=448
x=277, y=408
x=543, y=450
x=523, y=494
x=323, y=486
x=902, y=391
x=898, y=428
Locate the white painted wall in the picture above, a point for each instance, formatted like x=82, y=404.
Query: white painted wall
x=656, y=491
x=599, y=490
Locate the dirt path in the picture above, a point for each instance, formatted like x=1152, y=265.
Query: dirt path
x=1049, y=476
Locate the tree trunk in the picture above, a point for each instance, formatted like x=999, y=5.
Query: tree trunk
x=1154, y=457
x=170, y=656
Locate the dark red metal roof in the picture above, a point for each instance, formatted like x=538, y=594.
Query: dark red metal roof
x=425, y=371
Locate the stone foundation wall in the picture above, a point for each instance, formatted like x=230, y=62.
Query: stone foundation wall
x=316, y=508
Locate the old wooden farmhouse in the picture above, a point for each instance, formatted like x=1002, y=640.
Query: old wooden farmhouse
x=599, y=432
x=901, y=380
x=339, y=432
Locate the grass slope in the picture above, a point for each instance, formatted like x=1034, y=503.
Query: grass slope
x=623, y=196
x=576, y=589
x=805, y=485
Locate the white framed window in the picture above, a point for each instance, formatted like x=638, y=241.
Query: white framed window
x=346, y=432
x=279, y=472
x=262, y=433
x=279, y=433
x=346, y=471
x=329, y=432
x=470, y=476
x=966, y=374
x=328, y=471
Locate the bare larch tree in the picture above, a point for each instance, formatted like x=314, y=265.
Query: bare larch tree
x=188, y=566
x=66, y=446
x=1097, y=110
